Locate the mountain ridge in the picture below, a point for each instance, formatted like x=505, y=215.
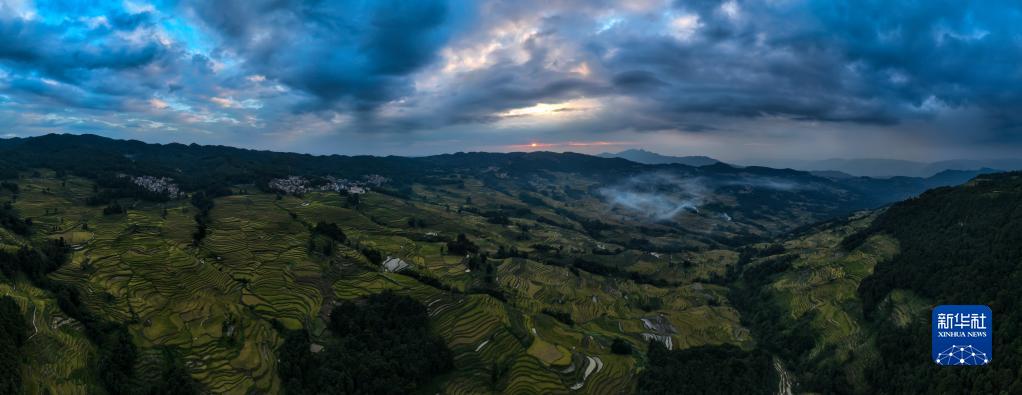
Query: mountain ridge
x=708, y=262
x=886, y=168
x=653, y=158
x=200, y=165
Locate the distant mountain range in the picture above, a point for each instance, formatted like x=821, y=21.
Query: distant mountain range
x=603, y=239
x=196, y=167
x=653, y=158
x=837, y=168
x=867, y=167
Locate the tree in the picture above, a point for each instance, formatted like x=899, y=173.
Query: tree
x=380, y=344
x=174, y=378
x=724, y=369
x=620, y=346
x=13, y=332
x=461, y=246
x=970, y=233
x=331, y=231
x=12, y=324
x=113, y=209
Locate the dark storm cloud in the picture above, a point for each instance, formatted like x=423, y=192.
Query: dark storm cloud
x=90, y=63
x=746, y=68
x=355, y=53
x=874, y=62
x=639, y=80
x=960, y=53
x=732, y=66
x=53, y=52
x=261, y=71
x=61, y=95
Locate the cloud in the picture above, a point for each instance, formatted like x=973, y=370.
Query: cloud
x=769, y=183
x=803, y=77
x=658, y=196
x=343, y=55
x=664, y=195
x=52, y=51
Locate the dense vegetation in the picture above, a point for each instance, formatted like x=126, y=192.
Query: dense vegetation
x=331, y=231
x=114, y=208
x=514, y=256
x=773, y=329
x=970, y=236
x=35, y=263
x=13, y=332
x=378, y=345
x=203, y=201
x=621, y=347
x=198, y=168
x=707, y=370
x=10, y=220
x=111, y=187
x=117, y=353
x=461, y=246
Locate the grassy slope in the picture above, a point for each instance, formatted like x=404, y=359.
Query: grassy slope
x=821, y=285
x=60, y=352
x=482, y=331
x=254, y=267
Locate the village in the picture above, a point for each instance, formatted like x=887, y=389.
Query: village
x=296, y=185
x=160, y=185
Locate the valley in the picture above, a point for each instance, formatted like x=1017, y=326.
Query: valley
x=439, y=197
x=216, y=303
x=539, y=273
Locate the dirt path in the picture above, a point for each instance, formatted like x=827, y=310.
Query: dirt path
x=34, y=309
x=785, y=380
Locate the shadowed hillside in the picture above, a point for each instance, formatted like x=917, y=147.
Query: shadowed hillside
x=228, y=270
x=847, y=303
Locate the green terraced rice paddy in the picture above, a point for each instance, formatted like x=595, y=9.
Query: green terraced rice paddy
x=823, y=281
x=214, y=303
x=59, y=362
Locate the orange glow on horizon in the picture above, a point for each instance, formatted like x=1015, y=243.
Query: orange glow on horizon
x=560, y=145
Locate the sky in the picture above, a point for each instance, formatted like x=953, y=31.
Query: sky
x=737, y=80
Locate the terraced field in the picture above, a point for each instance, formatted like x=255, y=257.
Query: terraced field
x=822, y=282
x=483, y=334
x=216, y=303
x=59, y=363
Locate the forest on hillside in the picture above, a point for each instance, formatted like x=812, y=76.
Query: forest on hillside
x=960, y=245
x=522, y=277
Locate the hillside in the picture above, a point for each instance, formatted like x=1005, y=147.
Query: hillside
x=885, y=168
x=226, y=299
x=653, y=158
x=727, y=204
x=847, y=304
x=229, y=270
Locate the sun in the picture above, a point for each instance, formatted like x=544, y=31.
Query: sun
x=534, y=145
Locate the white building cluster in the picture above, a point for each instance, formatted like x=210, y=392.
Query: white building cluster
x=343, y=185
x=299, y=185
x=293, y=185
x=161, y=185
x=374, y=179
